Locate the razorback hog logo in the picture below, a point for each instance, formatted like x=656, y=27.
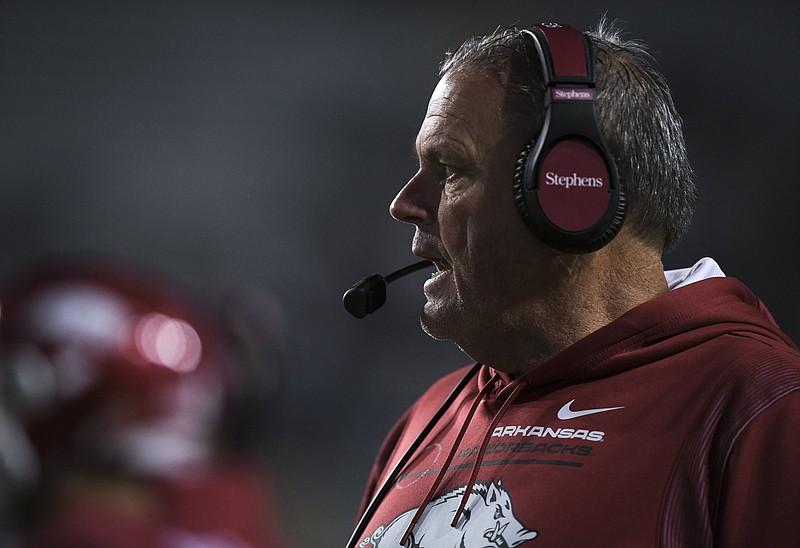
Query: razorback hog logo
x=488, y=522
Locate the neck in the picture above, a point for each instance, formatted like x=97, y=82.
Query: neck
x=592, y=291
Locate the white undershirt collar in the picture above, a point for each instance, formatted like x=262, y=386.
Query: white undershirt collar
x=701, y=270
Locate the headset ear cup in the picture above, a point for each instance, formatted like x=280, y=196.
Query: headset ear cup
x=519, y=184
x=549, y=232
x=616, y=218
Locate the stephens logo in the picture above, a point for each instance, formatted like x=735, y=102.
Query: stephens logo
x=574, y=180
x=573, y=94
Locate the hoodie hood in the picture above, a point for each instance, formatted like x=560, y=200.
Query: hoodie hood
x=695, y=311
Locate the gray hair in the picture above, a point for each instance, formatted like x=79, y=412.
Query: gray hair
x=636, y=114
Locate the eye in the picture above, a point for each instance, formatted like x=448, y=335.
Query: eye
x=498, y=513
x=446, y=173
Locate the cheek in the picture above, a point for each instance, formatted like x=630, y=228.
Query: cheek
x=501, y=249
x=456, y=223
x=483, y=233
x=477, y=244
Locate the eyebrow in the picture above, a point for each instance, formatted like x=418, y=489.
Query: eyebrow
x=448, y=151
x=432, y=154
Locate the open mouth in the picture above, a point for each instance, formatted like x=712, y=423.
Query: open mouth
x=441, y=268
x=442, y=271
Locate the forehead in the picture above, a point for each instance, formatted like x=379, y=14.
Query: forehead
x=465, y=110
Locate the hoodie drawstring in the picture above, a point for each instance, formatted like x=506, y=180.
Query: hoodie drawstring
x=446, y=465
x=482, y=450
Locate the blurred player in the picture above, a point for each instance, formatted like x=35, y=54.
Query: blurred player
x=114, y=392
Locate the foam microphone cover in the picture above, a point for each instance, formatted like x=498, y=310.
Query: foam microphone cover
x=366, y=296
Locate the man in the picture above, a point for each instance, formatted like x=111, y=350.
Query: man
x=611, y=404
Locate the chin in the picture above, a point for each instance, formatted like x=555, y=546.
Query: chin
x=435, y=323
x=443, y=323
x=436, y=331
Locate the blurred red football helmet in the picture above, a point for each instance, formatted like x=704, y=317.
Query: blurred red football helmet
x=102, y=366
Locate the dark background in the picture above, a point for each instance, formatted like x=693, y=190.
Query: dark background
x=254, y=147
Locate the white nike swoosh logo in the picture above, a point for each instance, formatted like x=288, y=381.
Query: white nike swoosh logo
x=565, y=413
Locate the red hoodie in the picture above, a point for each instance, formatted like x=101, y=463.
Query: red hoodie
x=676, y=425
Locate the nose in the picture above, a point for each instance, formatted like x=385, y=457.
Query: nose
x=417, y=202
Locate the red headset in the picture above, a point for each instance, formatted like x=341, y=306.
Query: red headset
x=566, y=184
